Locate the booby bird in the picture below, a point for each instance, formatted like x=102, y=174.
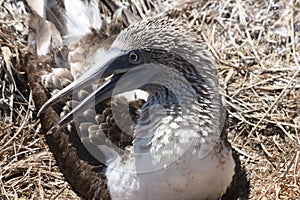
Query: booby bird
x=179, y=148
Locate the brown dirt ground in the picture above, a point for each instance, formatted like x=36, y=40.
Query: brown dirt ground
x=256, y=45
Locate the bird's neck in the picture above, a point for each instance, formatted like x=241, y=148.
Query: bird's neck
x=171, y=122
x=165, y=129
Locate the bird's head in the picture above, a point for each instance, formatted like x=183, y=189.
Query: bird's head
x=157, y=50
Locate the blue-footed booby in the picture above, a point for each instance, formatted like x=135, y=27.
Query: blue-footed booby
x=170, y=145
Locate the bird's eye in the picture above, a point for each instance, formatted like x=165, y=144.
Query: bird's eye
x=134, y=57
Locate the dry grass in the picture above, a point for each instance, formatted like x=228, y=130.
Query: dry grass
x=257, y=48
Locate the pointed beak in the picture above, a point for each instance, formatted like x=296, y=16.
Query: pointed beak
x=115, y=63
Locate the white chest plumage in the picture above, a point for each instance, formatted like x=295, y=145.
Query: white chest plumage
x=188, y=177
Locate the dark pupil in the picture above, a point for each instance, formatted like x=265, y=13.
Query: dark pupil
x=134, y=57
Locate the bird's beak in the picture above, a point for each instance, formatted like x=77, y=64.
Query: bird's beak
x=115, y=63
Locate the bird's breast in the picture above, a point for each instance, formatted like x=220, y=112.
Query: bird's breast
x=187, y=177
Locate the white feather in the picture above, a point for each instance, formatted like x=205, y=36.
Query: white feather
x=81, y=17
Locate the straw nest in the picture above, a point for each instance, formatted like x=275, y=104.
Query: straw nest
x=256, y=45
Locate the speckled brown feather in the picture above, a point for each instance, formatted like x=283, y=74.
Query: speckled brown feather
x=78, y=166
